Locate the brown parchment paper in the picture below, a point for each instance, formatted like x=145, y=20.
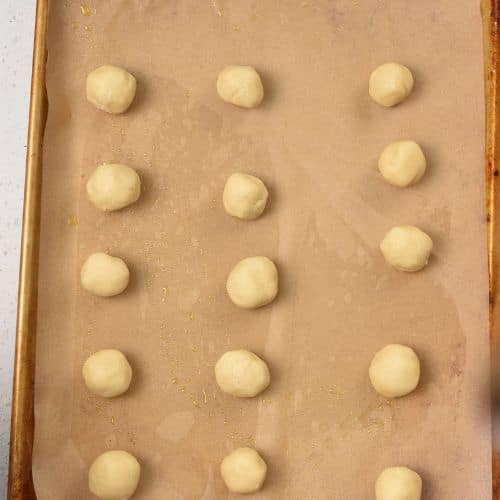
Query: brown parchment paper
x=315, y=141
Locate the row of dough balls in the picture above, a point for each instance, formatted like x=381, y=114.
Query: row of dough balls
x=112, y=89
x=115, y=186
x=115, y=475
x=253, y=282
x=394, y=372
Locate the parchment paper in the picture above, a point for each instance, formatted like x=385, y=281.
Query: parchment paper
x=315, y=141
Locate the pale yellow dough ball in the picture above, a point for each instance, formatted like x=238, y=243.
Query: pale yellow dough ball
x=390, y=84
x=241, y=86
x=253, y=282
x=245, y=196
x=395, y=371
x=402, y=163
x=107, y=373
x=113, y=186
x=243, y=471
x=407, y=248
x=111, y=89
x=242, y=373
x=398, y=483
x=104, y=275
x=114, y=475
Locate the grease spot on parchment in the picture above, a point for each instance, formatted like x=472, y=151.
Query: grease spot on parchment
x=176, y=426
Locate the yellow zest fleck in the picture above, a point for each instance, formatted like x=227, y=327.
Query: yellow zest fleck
x=216, y=8
x=73, y=220
x=86, y=10
x=334, y=391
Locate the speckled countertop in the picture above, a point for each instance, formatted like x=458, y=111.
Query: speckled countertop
x=16, y=29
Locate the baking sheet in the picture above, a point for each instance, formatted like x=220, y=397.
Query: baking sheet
x=323, y=431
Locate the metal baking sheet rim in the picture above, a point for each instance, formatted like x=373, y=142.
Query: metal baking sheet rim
x=20, y=485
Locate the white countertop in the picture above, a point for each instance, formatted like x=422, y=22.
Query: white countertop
x=16, y=30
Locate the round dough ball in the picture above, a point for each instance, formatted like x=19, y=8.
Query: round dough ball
x=395, y=371
x=107, y=373
x=390, y=84
x=398, y=483
x=402, y=163
x=114, y=475
x=245, y=196
x=243, y=471
x=242, y=373
x=406, y=248
x=104, y=275
x=240, y=85
x=111, y=89
x=113, y=186
x=253, y=282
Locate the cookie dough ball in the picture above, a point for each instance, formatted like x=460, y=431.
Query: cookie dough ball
x=243, y=471
x=104, y=275
x=406, y=248
x=398, y=483
x=390, y=84
x=114, y=475
x=107, y=373
x=242, y=373
x=111, y=89
x=245, y=196
x=240, y=85
x=113, y=186
x=253, y=282
x=395, y=371
x=402, y=163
